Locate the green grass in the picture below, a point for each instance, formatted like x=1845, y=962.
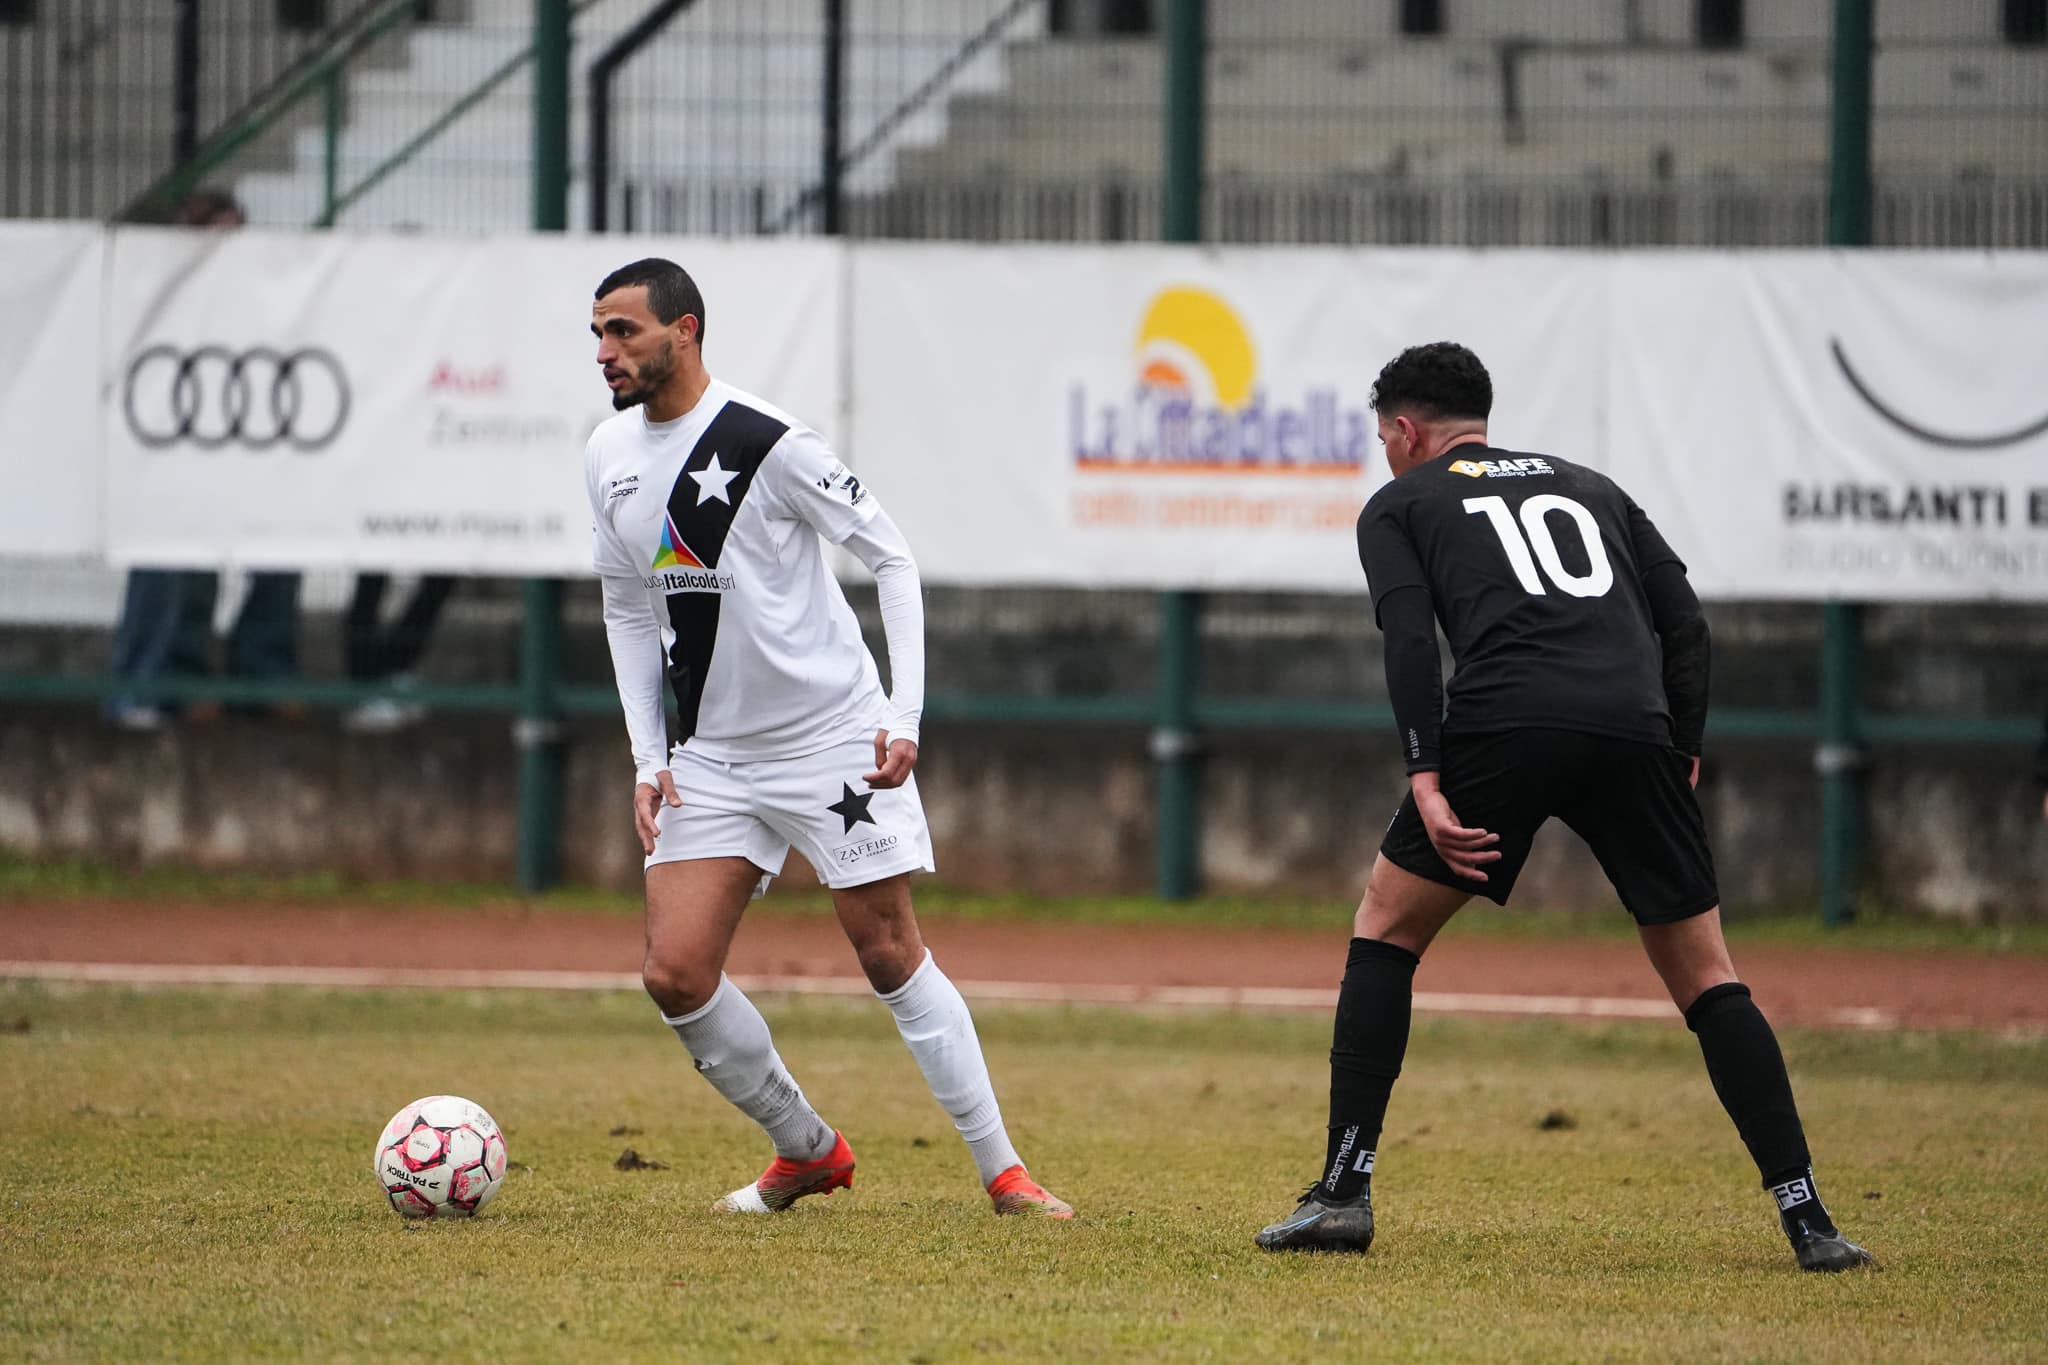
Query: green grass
x=44, y=880
x=187, y=1177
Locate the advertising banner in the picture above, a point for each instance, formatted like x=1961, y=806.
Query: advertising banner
x=50, y=311
x=1168, y=417
x=278, y=400
x=1863, y=425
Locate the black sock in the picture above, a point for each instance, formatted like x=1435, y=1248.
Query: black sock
x=1799, y=1206
x=1748, y=1072
x=1370, y=1038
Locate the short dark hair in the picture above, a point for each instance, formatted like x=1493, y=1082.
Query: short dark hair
x=1437, y=380
x=670, y=290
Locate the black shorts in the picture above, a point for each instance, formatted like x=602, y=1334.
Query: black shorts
x=1630, y=801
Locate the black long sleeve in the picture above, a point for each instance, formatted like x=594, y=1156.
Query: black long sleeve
x=1688, y=652
x=2041, y=756
x=1415, y=682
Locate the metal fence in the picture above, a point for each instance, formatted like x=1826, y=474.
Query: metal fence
x=99, y=98
x=1541, y=122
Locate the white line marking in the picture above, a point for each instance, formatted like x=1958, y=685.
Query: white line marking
x=1006, y=992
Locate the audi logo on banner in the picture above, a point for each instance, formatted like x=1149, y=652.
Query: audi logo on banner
x=257, y=398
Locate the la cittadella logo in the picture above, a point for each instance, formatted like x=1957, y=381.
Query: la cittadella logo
x=1197, y=404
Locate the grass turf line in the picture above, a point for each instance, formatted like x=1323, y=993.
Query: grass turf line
x=188, y=1178
x=25, y=880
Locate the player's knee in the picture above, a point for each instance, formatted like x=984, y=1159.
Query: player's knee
x=679, y=988
x=889, y=949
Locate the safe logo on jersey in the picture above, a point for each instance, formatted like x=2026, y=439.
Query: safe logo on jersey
x=678, y=569
x=1502, y=469
x=1198, y=405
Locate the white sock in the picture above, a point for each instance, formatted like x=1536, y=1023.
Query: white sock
x=939, y=1031
x=729, y=1040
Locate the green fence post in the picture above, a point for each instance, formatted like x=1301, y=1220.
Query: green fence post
x=1849, y=126
x=1186, y=49
x=1176, y=747
x=1175, y=744
x=538, y=731
x=333, y=112
x=1839, y=758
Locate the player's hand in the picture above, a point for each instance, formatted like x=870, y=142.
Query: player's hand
x=1464, y=851
x=893, y=762
x=1695, y=778
x=647, y=803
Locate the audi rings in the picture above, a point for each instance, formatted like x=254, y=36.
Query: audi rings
x=213, y=397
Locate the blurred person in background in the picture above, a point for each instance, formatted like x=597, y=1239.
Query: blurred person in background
x=166, y=622
x=2041, y=767
x=375, y=650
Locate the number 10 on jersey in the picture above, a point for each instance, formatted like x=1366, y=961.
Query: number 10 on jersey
x=1599, y=575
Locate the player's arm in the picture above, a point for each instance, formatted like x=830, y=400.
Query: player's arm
x=1415, y=677
x=816, y=488
x=1407, y=619
x=1416, y=691
x=879, y=545
x=634, y=636
x=1688, y=652
x=635, y=639
x=1681, y=627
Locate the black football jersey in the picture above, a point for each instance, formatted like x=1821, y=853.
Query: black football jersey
x=1535, y=566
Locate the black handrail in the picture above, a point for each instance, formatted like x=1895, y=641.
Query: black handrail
x=601, y=72
x=933, y=86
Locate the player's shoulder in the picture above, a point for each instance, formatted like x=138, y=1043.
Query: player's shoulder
x=1388, y=498
x=614, y=440
x=786, y=446
x=767, y=421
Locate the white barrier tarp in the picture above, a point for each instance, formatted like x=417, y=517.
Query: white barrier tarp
x=1865, y=425
x=337, y=400
x=1160, y=417
x=1803, y=424
x=50, y=312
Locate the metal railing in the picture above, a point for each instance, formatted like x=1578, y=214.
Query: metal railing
x=100, y=98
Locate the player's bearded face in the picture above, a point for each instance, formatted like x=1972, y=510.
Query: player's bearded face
x=648, y=378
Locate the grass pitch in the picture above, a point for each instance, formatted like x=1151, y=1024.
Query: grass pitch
x=186, y=1175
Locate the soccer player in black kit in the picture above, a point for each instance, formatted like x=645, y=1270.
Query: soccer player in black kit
x=1580, y=691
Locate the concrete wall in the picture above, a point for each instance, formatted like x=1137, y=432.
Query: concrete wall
x=1952, y=833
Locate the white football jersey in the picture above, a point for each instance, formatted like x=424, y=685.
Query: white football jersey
x=717, y=516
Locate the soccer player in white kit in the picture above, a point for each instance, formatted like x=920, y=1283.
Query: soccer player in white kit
x=709, y=513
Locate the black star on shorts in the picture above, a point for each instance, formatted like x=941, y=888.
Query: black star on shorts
x=852, y=809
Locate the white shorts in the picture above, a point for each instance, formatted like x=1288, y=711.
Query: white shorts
x=759, y=808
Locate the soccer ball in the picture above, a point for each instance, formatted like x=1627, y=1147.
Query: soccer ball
x=440, y=1157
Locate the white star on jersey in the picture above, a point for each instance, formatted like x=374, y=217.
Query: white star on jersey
x=711, y=482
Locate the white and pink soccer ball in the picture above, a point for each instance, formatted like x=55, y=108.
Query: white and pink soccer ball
x=440, y=1157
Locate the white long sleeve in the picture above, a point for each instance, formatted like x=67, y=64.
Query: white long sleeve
x=635, y=639
x=880, y=545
